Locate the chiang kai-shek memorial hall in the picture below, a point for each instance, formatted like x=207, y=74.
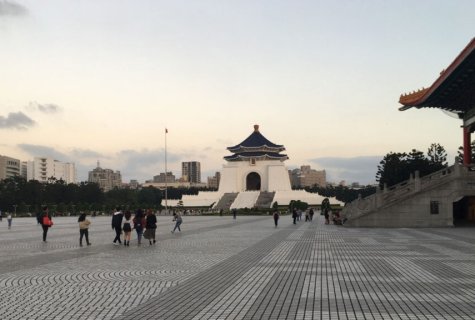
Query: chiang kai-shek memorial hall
x=254, y=176
x=446, y=197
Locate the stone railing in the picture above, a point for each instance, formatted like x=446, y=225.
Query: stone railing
x=397, y=192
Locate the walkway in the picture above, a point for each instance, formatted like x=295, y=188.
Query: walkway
x=220, y=268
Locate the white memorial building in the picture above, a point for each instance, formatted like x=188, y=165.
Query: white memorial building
x=254, y=176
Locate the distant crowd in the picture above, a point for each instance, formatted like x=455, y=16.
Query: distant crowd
x=144, y=222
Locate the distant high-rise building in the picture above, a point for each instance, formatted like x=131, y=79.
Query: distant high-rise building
x=307, y=177
x=191, y=171
x=107, y=179
x=9, y=167
x=24, y=169
x=161, y=177
x=42, y=169
x=134, y=184
x=213, y=182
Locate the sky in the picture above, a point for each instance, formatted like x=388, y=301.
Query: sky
x=100, y=80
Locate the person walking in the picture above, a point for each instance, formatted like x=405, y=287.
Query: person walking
x=234, y=213
x=150, y=226
x=311, y=214
x=327, y=216
x=46, y=222
x=83, y=228
x=178, y=220
x=127, y=227
x=276, y=218
x=294, y=215
x=117, y=225
x=139, y=223
x=9, y=220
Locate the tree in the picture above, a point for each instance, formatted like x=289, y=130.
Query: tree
x=397, y=167
x=297, y=204
x=392, y=169
x=460, y=153
x=437, y=157
x=342, y=193
x=325, y=207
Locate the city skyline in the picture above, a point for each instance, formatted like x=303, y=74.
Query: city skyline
x=102, y=80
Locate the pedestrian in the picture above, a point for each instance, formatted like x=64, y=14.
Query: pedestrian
x=327, y=216
x=294, y=215
x=276, y=218
x=178, y=220
x=150, y=226
x=84, y=228
x=234, y=213
x=139, y=223
x=9, y=219
x=127, y=227
x=311, y=214
x=307, y=216
x=117, y=225
x=46, y=222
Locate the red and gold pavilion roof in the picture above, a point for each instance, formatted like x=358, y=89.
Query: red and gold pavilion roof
x=454, y=90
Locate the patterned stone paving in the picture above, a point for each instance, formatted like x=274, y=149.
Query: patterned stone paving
x=220, y=268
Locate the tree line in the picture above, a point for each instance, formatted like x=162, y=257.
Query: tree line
x=17, y=194
x=395, y=167
x=21, y=196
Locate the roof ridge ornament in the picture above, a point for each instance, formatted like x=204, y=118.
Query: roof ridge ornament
x=256, y=128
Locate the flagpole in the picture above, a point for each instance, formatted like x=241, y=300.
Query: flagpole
x=166, y=174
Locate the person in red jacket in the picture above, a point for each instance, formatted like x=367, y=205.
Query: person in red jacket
x=46, y=222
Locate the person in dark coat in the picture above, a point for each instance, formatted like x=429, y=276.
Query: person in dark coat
x=295, y=215
x=327, y=216
x=276, y=218
x=151, y=226
x=139, y=225
x=117, y=225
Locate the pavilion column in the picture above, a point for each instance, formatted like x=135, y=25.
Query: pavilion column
x=467, y=149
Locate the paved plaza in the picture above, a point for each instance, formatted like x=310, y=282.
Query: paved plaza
x=220, y=268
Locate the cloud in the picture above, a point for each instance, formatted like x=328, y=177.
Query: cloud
x=85, y=153
x=144, y=164
x=10, y=8
x=43, y=151
x=48, y=108
x=16, y=120
x=357, y=169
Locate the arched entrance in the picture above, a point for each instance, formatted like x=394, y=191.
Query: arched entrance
x=253, y=181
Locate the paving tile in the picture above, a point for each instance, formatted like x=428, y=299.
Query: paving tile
x=220, y=268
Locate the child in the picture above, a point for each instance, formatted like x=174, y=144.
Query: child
x=127, y=227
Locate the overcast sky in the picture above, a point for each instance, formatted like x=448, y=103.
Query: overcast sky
x=93, y=80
